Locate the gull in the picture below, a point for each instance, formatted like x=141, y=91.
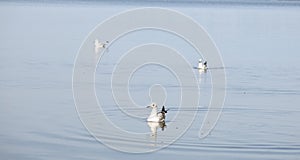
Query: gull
x=99, y=45
x=156, y=116
x=202, y=65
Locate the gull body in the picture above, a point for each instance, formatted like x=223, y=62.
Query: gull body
x=156, y=116
x=202, y=65
x=99, y=45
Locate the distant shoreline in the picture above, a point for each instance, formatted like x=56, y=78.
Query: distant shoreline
x=164, y=3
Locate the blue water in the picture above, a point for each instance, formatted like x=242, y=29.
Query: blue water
x=259, y=46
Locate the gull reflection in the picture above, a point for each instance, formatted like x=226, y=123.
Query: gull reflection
x=201, y=71
x=155, y=125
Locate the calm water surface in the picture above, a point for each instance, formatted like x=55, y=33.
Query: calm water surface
x=259, y=46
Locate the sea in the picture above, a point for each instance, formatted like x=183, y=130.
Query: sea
x=47, y=112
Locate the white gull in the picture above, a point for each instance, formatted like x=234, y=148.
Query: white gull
x=202, y=65
x=156, y=116
x=99, y=45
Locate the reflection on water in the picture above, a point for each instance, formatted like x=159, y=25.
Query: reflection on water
x=201, y=71
x=155, y=125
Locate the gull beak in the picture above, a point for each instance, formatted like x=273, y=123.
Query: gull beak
x=148, y=106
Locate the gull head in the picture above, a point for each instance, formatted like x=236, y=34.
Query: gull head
x=153, y=105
